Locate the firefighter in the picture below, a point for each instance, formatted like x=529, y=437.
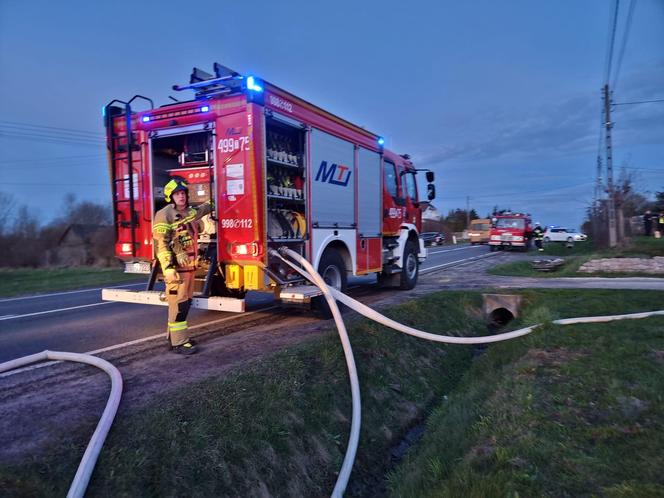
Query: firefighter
x=538, y=234
x=175, y=232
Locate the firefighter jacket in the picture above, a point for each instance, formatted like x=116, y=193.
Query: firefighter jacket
x=176, y=236
x=538, y=233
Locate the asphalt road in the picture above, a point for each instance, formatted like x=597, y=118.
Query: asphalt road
x=79, y=321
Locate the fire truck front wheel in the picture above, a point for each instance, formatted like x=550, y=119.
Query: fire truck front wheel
x=411, y=268
x=333, y=270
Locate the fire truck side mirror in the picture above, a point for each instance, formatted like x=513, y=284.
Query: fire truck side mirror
x=431, y=191
x=430, y=176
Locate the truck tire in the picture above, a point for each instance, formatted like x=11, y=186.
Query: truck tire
x=410, y=269
x=333, y=270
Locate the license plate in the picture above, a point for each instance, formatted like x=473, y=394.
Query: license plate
x=138, y=267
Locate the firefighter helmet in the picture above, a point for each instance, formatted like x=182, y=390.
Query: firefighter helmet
x=174, y=185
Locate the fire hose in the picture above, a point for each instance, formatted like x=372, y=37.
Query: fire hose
x=87, y=465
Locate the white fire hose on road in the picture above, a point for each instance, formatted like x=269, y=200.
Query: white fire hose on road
x=87, y=465
x=332, y=294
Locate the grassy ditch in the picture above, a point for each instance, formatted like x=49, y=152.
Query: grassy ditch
x=580, y=253
x=568, y=411
x=14, y=282
x=278, y=427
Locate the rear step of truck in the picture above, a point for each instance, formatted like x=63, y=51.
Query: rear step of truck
x=214, y=303
x=301, y=294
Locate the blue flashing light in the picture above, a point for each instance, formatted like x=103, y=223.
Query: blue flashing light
x=381, y=141
x=253, y=84
x=145, y=119
x=205, y=108
x=103, y=112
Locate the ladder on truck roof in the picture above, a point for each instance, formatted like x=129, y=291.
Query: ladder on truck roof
x=224, y=81
x=110, y=112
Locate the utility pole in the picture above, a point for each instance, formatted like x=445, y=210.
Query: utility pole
x=611, y=205
x=597, y=201
x=467, y=212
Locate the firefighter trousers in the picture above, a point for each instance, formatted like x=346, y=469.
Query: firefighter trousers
x=178, y=296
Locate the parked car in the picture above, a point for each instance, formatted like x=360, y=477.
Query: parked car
x=432, y=238
x=561, y=234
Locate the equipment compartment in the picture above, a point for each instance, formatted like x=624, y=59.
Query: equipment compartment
x=188, y=156
x=285, y=183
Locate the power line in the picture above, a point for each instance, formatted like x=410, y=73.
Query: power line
x=612, y=38
x=48, y=133
x=50, y=140
x=29, y=184
x=639, y=102
x=51, y=159
x=628, y=24
x=16, y=124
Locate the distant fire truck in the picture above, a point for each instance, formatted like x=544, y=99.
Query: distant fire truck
x=510, y=230
x=281, y=172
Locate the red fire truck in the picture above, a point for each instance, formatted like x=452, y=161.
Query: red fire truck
x=510, y=230
x=281, y=172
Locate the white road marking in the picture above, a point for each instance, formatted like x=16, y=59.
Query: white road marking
x=132, y=343
x=14, y=317
x=449, y=250
x=36, y=296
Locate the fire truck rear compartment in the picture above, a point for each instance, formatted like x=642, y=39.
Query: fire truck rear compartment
x=285, y=177
x=189, y=156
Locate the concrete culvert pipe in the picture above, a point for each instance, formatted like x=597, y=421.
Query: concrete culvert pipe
x=500, y=317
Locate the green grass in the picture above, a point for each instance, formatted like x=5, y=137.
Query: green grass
x=568, y=411
x=580, y=253
x=33, y=281
x=573, y=411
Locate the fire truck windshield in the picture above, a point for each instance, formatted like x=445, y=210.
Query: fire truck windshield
x=510, y=223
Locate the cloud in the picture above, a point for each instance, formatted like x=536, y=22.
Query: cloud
x=561, y=128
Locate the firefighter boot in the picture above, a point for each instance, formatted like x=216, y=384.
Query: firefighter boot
x=187, y=348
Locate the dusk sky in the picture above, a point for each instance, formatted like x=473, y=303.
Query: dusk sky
x=500, y=99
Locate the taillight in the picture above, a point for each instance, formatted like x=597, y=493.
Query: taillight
x=125, y=248
x=250, y=249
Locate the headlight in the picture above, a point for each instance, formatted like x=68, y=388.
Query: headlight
x=517, y=237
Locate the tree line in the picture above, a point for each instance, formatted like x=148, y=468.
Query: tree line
x=27, y=242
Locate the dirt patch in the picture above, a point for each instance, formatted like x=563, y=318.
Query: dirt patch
x=552, y=358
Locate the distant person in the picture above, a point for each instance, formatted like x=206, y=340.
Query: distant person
x=175, y=232
x=660, y=223
x=538, y=235
x=647, y=223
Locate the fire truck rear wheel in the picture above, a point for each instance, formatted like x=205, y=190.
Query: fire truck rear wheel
x=333, y=270
x=411, y=267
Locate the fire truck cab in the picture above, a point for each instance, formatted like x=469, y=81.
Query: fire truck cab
x=510, y=230
x=281, y=172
